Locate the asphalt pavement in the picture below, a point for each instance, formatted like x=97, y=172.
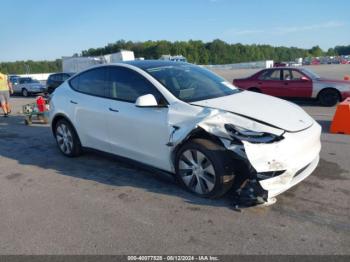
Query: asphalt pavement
x=98, y=204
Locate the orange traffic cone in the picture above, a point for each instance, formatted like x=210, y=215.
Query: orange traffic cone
x=341, y=120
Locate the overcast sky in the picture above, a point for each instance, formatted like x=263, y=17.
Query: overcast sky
x=48, y=29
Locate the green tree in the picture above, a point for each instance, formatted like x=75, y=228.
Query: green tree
x=316, y=51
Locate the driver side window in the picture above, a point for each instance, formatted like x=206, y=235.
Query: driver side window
x=287, y=75
x=291, y=75
x=296, y=75
x=127, y=85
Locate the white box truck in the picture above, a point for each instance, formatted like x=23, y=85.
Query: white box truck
x=77, y=64
x=123, y=55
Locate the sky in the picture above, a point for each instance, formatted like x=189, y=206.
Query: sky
x=50, y=29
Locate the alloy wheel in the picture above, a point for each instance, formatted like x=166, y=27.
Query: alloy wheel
x=64, y=138
x=24, y=92
x=197, y=172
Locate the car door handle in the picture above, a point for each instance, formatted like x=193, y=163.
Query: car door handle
x=113, y=110
x=73, y=102
x=259, y=83
x=285, y=83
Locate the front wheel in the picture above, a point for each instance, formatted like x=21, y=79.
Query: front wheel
x=67, y=140
x=25, y=92
x=329, y=97
x=200, y=168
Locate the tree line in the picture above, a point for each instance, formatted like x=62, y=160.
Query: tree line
x=196, y=51
x=215, y=52
x=31, y=67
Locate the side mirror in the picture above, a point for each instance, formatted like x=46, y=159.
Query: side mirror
x=146, y=101
x=304, y=78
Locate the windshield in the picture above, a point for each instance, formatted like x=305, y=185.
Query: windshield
x=14, y=80
x=310, y=73
x=191, y=83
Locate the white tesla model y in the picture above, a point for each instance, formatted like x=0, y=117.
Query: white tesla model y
x=184, y=119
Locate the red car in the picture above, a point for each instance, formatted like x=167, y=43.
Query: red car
x=291, y=82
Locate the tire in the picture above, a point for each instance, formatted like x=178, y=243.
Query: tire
x=200, y=168
x=254, y=89
x=25, y=92
x=67, y=139
x=27, y=122
x=329, y=97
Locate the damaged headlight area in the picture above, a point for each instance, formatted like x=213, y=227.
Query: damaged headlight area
x=243, y=134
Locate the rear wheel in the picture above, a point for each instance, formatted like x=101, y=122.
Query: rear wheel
x=67, y=140
x=329, y=97
x=201, y=169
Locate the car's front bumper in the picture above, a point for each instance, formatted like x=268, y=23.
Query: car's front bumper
x=295, y=157
x=277, y=185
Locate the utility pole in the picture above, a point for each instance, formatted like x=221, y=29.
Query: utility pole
x=27, y=68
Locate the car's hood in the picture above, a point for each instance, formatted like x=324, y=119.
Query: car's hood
x=262, y=108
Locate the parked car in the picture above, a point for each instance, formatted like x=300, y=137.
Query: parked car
x=315, y=62
x=186, y=120
x=55, y=80
x=27, y=86
x=344, y=62
x=280, y=64
x=290, y=82
x=14, y=79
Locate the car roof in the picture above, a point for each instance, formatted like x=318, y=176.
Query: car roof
x=145, y=64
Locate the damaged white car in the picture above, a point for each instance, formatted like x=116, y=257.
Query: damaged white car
x=186, y=120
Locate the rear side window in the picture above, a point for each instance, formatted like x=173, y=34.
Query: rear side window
x=127, y=85
x=92, y=82
x=271, y=75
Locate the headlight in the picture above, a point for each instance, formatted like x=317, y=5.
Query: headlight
x=241, y=133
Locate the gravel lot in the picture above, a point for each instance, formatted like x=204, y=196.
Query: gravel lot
x=97, y=204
